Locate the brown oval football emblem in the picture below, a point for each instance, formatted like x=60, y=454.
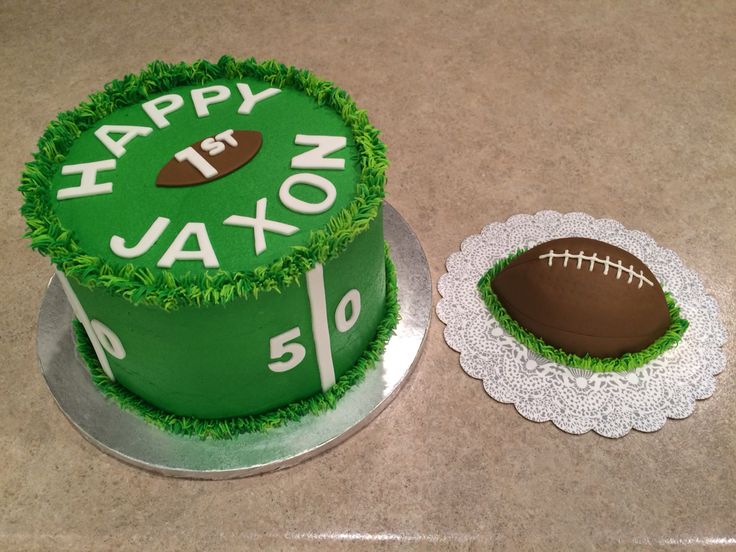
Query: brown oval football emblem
x=211, y=158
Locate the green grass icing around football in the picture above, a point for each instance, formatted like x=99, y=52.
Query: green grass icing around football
x=624, y=363
x=165, y=290
x=228, y=428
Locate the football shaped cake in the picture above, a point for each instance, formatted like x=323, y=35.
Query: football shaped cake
x=217, y=229
x=576, y=299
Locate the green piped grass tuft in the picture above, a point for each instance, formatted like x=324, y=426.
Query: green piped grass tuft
x=228, y=428
x=624, y=363
x=140, y=285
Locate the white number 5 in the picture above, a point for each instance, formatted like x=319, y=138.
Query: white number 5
x=280, y=346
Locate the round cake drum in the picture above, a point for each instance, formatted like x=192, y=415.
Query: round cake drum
x=128, y=437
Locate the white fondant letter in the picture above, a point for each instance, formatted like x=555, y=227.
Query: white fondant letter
x=216, y=145
x=108, y=339
x=342, y=323
x=158, y=115
x=315, y=158
x=212, y=146
x=299, y=206
x=117, y=244
x=280, y=346
x=197, y=161
x=88, y=185
x=117, y=147
x=250, y=99
x=260, y=224
x=176, y=251
x=219, y=93
x=227, y=136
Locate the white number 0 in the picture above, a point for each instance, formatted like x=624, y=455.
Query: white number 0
x=280, y=346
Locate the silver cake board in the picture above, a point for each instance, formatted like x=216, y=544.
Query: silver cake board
x=129, y=438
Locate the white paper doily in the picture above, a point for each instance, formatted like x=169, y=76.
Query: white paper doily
x=577, y=400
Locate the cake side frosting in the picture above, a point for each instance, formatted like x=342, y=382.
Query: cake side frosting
x=248, y=356
x=226, y=428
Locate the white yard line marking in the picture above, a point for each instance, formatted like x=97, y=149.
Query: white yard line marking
x=81, y=315
x=320, y=329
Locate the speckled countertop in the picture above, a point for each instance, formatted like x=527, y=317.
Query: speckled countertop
x=624, y=110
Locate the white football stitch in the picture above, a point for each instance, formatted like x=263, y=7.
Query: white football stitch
x=580, y=257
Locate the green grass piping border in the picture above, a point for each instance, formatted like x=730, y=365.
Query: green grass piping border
x=624, y=363
x=140, y=284
x=228, y=428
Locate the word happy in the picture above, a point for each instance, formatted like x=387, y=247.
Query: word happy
x=202, y=98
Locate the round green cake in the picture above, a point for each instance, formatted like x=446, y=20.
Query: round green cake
x=217, y=229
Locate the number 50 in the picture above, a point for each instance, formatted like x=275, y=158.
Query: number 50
x=280, y=346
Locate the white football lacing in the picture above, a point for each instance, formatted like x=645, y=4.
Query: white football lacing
x=607, y=263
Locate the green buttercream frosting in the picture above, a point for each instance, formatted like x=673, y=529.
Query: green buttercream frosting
x=213, y=361
x=228, y=428
x=624, y=363
x=75, y=233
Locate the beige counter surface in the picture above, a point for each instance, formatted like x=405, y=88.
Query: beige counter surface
x=624, y=110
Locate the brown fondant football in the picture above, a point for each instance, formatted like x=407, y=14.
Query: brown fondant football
x=584, y=296
x=210, y=158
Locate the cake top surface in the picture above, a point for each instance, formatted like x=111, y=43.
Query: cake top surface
x=192, y=184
